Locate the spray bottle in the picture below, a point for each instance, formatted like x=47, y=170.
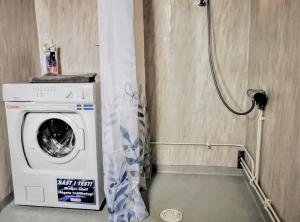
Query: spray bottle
x=53, y=64
x=46, y=59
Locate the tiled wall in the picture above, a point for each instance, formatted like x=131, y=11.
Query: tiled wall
x=274, y=66
x=182, y=100
x=19, y=60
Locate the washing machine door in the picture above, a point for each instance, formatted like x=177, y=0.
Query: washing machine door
x=52, y=138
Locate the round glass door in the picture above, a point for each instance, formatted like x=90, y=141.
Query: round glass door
x=56, y=138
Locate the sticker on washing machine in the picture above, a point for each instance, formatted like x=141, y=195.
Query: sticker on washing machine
x=76, y=191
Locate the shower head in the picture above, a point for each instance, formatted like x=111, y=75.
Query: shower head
x=202, y=3
x=259, y=97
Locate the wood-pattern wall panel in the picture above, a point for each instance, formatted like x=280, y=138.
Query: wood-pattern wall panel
x=139, y=42
x=19, y=60
x=194, y=155
x=274, y=66
x=72, y=25
x=182, y=100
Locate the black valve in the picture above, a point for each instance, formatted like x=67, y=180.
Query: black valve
x=202, y=3
x=259, y=97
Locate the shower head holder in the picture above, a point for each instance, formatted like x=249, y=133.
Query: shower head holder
x=202, y=3
x=259, y=97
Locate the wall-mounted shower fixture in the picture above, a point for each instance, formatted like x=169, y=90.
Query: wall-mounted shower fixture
x=259, y=97
x=202, y=3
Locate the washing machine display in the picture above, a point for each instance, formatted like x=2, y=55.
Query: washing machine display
x=56, y=138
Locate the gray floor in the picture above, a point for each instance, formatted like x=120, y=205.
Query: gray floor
x=201, y=198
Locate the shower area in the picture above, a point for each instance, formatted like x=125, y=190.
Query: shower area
x=205, y=107
x=193, y=133
x=191, y=49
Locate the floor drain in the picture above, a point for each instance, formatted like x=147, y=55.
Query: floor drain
x=171, y=215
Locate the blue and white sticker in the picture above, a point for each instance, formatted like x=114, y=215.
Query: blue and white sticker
x=85, y=107
x=76, y=191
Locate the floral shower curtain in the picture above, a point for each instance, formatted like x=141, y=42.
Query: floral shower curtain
x=125, y=141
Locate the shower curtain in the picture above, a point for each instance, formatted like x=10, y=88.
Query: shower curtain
x=125, y=141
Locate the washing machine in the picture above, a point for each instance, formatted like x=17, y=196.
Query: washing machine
x=54, y=132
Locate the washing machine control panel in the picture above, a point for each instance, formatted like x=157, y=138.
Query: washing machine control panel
x=54, y=92
x=42, y=91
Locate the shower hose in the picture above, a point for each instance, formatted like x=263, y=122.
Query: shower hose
x=213, y=68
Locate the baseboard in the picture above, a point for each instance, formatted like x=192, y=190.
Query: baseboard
x=201, y=170
x=7, y=200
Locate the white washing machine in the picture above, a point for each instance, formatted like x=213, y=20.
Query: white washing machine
x=54, y=132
